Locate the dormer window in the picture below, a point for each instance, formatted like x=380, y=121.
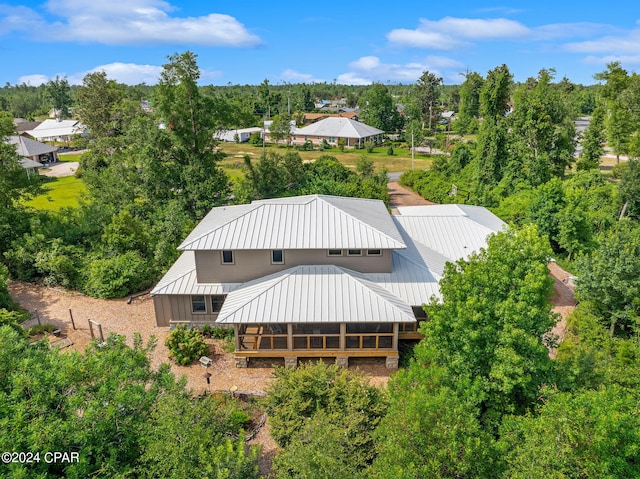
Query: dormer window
x=334, y=252
x=374, y=252
x=277, y=256
x=227, y=257
x=354, y=252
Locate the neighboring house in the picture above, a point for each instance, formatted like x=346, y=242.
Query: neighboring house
x=56, y=130
x=23, y=125
x=243, y=134
x=332, y=129
x=34, y=150
x=317, y=276
x=313, y=117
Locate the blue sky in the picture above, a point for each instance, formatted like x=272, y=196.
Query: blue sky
x=284, y=41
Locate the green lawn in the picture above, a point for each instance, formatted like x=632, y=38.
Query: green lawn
x=400, y=161
x=59, y=193
x=66, y=157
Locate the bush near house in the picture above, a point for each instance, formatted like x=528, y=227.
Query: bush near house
x=185, y=345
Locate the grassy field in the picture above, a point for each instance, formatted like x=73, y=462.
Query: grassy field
x=400, y=161
x=59, y=193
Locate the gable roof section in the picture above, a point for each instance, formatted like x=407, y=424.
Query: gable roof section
x=181, y=279
x=301, y=222
x=28, y=147
x=320, y=293
x=339, y=128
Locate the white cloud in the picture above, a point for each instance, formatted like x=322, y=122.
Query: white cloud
x=128, y=73
x=623, y=59
x=366, y=70
x=450, y=32
x=352, y=79
x=297, y=77
x=625, y=43
x=33, y=80
x=120, y=22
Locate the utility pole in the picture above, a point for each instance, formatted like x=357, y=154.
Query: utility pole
x=412, y=151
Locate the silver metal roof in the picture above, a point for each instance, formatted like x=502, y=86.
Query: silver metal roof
x=320, y=293
x=55, y=128
x=454, y=231
x=181, y=279
x=339, y=128
x=302, y=222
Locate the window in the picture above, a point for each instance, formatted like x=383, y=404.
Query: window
x=332, y=139
x=277, y=256
x=354, y=252
x=334, y=252
x=227, y=257
x=374, y=252
x=216, y=302
x=198, y=304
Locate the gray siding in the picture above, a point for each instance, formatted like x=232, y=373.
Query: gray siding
x=178, y=308
x=252, y=264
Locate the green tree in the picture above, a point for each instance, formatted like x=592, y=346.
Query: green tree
x=191, y=120
x=430, y=430
x=608, y=279
x=543, y=129
x=593, y=141
x=585, y=434
x=59, y=94
x=630, y=189
x=280, y=129
x=492, y=150
x=15, y=186
x=98, y=98
x=490, y=330
x=467, y=118
x=187, y=438
x=345, y=401
x=427, y=95
x=378, y=109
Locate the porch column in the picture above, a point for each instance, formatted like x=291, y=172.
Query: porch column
x=343, y=339
x=396, y=331
x=236, y=332
x=290, y=336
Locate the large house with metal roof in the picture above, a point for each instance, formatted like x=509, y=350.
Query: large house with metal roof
x=332, y=129
x=317, y=276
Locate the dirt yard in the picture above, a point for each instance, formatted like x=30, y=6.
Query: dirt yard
x=400, y=196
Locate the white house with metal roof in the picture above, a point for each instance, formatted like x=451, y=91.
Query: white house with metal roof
x=332, y=129
x=56, y=130
x=317, y=276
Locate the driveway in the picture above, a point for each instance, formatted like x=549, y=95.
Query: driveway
x=67, y=168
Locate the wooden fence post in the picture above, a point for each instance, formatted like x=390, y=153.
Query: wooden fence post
x=72, y=321
x=38, y=317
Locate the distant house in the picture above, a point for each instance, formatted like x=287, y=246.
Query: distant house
x=243, y=134
x=34, y=150
x=56, y=130
x=23, y=125
x=313, y=117
x=317, y=276
x=332, y=129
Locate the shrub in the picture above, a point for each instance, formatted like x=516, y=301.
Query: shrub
x=118, y=276
x=390, y=151
x=185, y=345
x=255, y=139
